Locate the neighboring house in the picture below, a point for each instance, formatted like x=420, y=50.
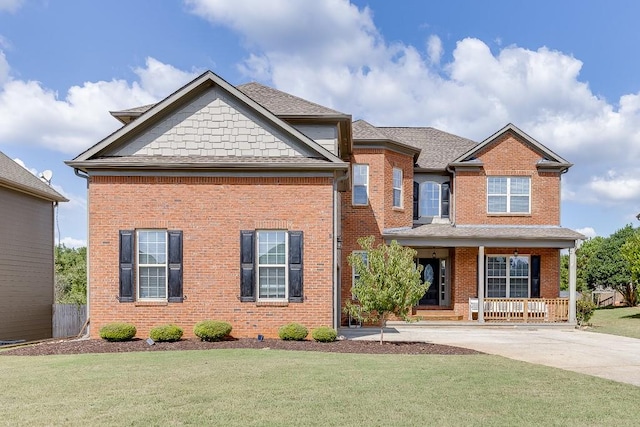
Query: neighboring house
x=26, y=253
x=242, y=203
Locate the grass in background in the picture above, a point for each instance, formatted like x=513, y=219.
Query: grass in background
x=624, y=321
x=279, y=388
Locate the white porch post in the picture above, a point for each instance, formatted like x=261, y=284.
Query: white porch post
x=572, y=285
x=481, y=284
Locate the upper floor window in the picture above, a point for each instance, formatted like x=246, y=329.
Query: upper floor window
x=397, y=188
x=431, y=200
x=508, y=194
x=360, y=184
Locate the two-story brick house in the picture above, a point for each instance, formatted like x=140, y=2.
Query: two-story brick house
x=242, y=203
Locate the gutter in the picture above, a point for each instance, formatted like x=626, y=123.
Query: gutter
x=85, y=176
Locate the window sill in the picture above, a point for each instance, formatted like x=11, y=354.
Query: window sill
x=272, y=303
x=397, y=209
x=509, y=214
x=359, y=206
x=151, y=303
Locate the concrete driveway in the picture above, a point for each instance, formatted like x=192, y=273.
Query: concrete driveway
x=601, y=355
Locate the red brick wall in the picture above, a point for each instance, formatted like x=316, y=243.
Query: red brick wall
x=371, y=220
x=507, y=156
x=211, y=212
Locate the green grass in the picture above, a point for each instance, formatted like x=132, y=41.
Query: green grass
x=623, y=321
x=278, y=388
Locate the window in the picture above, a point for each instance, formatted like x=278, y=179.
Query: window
x=272, y=265
x=508, y=276
x=152, y=264
x=429, y=199
x=397, y=188
x=360, y=184
x=508, y=194
x=354, y=274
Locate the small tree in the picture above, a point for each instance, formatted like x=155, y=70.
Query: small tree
x=389, y=282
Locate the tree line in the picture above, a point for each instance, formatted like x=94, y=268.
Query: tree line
x=610, y=262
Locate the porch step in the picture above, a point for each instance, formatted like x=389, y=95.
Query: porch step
x=432, y=315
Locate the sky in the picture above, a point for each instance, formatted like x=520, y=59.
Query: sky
x=565, y=72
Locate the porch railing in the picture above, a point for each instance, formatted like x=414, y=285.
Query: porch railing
x=526, y=310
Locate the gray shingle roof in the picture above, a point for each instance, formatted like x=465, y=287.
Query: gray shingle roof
x=363, y=130
x=14, y=176
x=448, y=231
x=284, y=104
x=438, y=148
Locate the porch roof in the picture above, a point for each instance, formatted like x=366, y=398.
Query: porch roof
x=448, y=235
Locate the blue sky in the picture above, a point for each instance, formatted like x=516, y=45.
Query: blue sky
x=564, y=72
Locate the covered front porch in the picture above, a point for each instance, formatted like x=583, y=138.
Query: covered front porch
x=493, y=274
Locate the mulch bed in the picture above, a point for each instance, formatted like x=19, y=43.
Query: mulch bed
x=78, y=346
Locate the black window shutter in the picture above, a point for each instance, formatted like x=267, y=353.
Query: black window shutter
x=444, y=199
x=247, y=254
x=295, y=266
x=416, y=199
x=126, y=266
x=535, y=276
x=175, y=265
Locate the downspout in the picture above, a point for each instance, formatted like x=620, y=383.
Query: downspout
x=85, y=176
x=336, y=261
x=452, y=207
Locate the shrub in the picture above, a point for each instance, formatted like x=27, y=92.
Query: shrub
x=212, y=330
x=166, y=333
x=324, y=334
x=584, y=308
x=118, y=331
x=293, y=332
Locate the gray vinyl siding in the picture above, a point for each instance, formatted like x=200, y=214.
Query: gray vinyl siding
x=26, y=266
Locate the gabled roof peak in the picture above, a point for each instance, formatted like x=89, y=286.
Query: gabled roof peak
x=550, y=159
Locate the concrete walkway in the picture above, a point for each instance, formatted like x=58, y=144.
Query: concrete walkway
x=601, y=355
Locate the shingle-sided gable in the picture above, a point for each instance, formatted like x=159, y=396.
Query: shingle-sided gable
x=209, y=118
x=214, y=124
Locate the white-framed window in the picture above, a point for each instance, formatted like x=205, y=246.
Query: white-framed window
x=151, y=254
x=272, y=265
x=354, y=274
x=397, y=188
x=360, y=184
x=429, y=199
x=508, y=194
x=508, y=276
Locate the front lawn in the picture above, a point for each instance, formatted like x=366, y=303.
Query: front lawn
x=279, y=388
x=623, y=321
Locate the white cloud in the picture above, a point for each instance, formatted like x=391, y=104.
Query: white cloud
x=589, y=232
x=332, y=53
x=70, y=242
x=10, y=5
x=31, y=114
x=434, y=49
x=21, y=163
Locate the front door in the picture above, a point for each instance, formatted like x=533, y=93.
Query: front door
x=431, y=274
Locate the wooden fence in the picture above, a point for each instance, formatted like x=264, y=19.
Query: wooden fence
x=68, y=319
